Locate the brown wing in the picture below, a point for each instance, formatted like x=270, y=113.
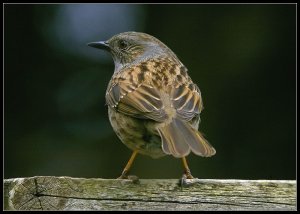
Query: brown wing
x=142, y=101
x=187, y=101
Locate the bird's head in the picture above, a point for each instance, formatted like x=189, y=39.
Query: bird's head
x=132, y=47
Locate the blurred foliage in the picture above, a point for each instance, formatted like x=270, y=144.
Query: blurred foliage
x=243, y=58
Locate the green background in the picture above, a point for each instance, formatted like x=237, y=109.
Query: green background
x=243, y=58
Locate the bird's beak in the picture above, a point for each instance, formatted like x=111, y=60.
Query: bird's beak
x=100, y=45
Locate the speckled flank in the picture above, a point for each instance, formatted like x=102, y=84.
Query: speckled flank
x=135, y=136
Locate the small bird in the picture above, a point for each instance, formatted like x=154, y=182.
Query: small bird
x=153, y=105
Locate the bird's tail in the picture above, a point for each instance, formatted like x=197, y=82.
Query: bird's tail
x=179, y=138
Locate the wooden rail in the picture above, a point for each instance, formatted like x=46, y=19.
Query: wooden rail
x=66, y=193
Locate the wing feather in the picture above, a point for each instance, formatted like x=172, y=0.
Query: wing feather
x=187, y=101
x=142, y=101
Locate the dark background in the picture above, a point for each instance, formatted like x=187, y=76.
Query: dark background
x=243, y=58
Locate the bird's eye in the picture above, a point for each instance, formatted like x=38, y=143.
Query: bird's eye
x=123, y=44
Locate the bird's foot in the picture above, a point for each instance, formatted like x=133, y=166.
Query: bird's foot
x=123, y=175
x=187, y=175
x=187, y=180
x=133, y=178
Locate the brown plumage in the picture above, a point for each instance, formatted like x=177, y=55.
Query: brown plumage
x=154, y=107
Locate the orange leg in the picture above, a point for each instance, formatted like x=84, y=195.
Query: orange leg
x=187, y=170
x=128, y=165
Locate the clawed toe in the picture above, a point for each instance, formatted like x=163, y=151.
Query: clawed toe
x=187, y=180
x=122, y=177
x=133, y=178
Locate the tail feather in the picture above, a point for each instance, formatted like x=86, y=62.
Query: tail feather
x=179, y=138
x=173, y=142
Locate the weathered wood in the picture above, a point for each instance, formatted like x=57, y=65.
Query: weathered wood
x=66, y=193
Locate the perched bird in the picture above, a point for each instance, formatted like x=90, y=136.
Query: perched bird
x=153, y=105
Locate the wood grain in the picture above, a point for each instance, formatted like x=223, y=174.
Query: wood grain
x=66, y=193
